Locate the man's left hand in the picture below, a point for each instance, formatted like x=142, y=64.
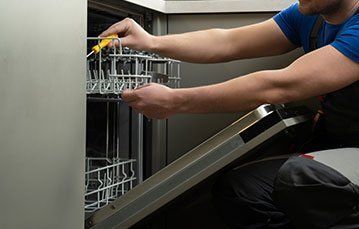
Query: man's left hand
x=153, y=100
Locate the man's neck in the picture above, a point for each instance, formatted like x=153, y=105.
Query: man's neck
x=342, y=13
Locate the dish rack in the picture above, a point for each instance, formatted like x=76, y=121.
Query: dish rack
x=109, y=172
x=116, y=69
x=107, y=182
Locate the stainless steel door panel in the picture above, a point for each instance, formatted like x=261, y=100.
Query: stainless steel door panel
x=193, y=167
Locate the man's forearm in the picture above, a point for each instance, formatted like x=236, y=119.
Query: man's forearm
x=240, y=94
x=206, y=46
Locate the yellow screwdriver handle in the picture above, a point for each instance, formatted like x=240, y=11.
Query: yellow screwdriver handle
x=105, y=41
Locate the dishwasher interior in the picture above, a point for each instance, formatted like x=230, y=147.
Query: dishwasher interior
x=115, y=134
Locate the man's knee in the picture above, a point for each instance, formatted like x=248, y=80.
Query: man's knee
x=312, y=194
x=304, y=176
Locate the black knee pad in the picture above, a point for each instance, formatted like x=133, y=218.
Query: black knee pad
x=312, y=194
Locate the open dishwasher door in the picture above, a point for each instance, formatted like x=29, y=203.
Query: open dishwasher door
x=236, y=141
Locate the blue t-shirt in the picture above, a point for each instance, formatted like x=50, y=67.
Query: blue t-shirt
x=297, y=27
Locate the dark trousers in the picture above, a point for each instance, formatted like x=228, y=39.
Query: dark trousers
x=286, y=193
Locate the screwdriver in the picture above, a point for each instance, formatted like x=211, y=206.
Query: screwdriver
x=105, y=41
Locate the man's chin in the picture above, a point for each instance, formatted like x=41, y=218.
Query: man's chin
x=303, y=9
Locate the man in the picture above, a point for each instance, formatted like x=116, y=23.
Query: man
x=277, y=193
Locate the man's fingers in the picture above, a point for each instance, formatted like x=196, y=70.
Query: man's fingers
x=134, y=106
x=108, y=32
x=113, y=42
x=129, y=96
x=116, y=29
x=119, y=28
x=116, y=42
x=113, y=29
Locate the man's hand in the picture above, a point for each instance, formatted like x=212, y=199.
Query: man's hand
x=152, y=100
x=132, y=34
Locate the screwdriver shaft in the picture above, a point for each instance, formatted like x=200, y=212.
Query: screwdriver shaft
x=90, y=54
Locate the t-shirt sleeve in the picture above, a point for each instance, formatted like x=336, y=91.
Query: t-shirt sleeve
x=288, y=21
x=347, y=41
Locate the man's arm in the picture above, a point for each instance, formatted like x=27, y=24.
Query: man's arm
x=207, y=46
x=319, y=72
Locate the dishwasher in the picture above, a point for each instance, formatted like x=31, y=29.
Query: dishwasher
x=119, y=193
x=58, y=105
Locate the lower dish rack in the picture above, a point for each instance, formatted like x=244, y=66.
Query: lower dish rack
x=107, y=179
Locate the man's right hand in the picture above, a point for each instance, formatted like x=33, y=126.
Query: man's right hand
x=132, y=35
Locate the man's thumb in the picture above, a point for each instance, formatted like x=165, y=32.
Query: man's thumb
x=128, y=96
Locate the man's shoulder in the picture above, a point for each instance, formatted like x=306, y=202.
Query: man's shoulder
x=350, y=26
x=347, y=39
x=293, y=11
x=294, y=24
x=293, y=16
x=353, y=21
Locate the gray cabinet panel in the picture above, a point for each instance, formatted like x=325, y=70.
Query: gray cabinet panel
x=42, y=114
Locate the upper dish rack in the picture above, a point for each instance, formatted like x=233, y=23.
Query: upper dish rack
x=115, y=69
